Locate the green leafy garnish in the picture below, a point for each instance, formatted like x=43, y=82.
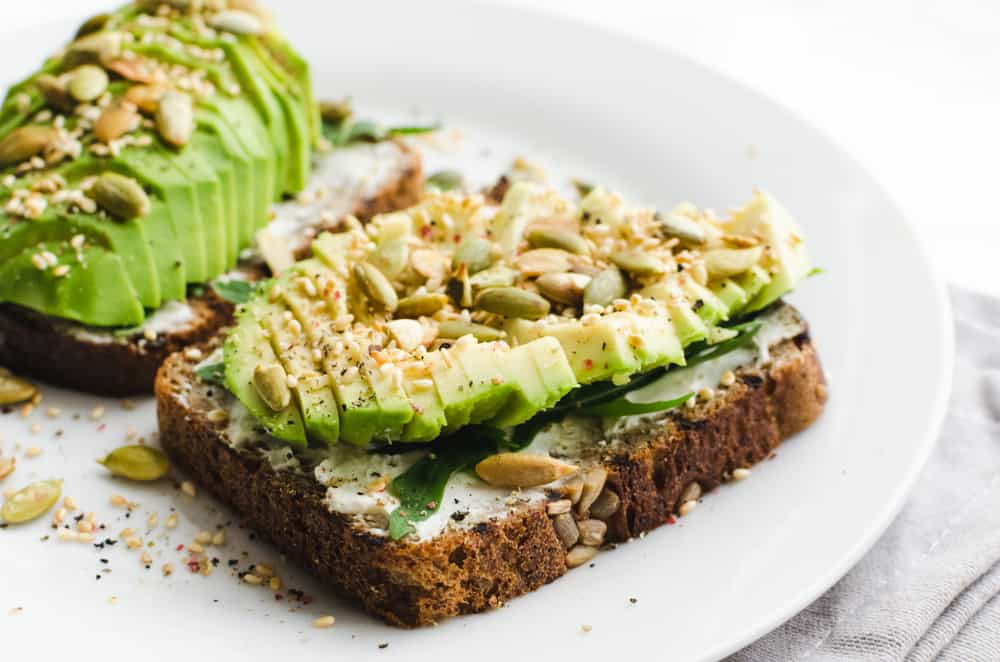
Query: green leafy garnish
x=815, y=271
x=421, y=487
x=350, y=131
x=625, y=407
x=234, y=291
x=582, y=187
x=212, y=373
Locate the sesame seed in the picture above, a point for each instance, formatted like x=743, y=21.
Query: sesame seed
x=86, y=537
x=152, y=520
x=740, y=473
x=61, y=271
x=70, y=503
x=706, y=393
x=171, y=520
x=219, y=539
x=118, y=501
x=192, y=353
x=586, y=627
x=146, y=558
x=168, y=569
x=33, y=451
x=97, y=413
x=83, y=526
x=67, y=534
x=149, y=334
x=39, y=262
x=728, y=378
x=59, y=516
x=251, y=578
x=687, y=507
x=188, y=488
x=263, y=570
x=35, y=428
x=218, y=416
x=324, y=622
x=196, y=548
x=275, y=583
x=53, y=412
x=133, y=542
x=204, y=537
x=113, y=599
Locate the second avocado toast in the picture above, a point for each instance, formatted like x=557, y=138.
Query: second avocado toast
x=457, y=403
x=138, y=165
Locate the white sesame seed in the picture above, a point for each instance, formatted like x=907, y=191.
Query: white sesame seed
x=171, y=520
x=728, y=378
x=53, y=412
x=251, y=578
x=33, y=451
x=275, y=583
x=70, y=503
x=39, y=262
x=77, y=241
x=196, y=548
x=66, y=534
x=152, y=520
x=61, y=271
x=219, y=539
x=118, y=500
x=706, y=393
x=168, y=569
x=324, y=622
x=149, y=334
x=97, y=413
x=133, y=542
x=586, y=627
x=192, y=354
x=146, y=558
x=188, y=488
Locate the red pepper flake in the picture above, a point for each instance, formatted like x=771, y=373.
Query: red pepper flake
x=180, y=547
x=100, y=428
x=425, y=231
x=588, y=364
x=458, y=238
x=671, y=520
x=337, y=295
x=193, y=565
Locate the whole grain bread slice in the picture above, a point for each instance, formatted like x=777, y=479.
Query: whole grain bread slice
x=650, y=473
x=71, y=355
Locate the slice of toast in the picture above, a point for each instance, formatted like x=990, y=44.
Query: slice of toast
x=104, y=363
x=474, y=564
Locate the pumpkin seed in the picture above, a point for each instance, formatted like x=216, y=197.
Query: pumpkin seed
x=134, y=70
x=499, y=275
x=682, y=227
x=637, y=263
x=408, y=334
x=565, y=288
x=476, y=253
x=513, y=302
x=604, y=288
x=115, y=122
x=391, y=257
x=271, y=384
x=724, y=262
x=237, y=22
x=454, y=329
x=92, y=25
x=145, y=97
x=445, y=180
x=175, y=118
x=94, y=48
x=458, y=287
x=417, y=305
x=545, y=237
x=335, y=112
x=137, y=462
x=87, y=82
x=376, y=286
x=13, y=389
x=55, y=93
x=523, y=470
x=542, y=261
x=24, y=142
x=31, y=502
x=582, y=187
x=120, y=196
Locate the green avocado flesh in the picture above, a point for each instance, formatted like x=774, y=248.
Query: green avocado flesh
x=254, y=125
x=359, y=367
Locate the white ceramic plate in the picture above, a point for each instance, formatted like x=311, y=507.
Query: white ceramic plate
x=612, y=110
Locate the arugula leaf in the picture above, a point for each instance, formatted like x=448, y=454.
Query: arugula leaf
x=445, y=180
x=421, y=487
x=212, y=373
x=234, y=291
x=349, y=131
x=815, y=271
x=412, y=130
x=625, y=407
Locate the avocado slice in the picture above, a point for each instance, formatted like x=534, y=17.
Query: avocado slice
x=709, y=307
x=428, y=410
x=245, y=348
x=212, y=152
x=102, y=290
x=530, y=393
x=488, y=387
x=452, y=386
x=730, y=294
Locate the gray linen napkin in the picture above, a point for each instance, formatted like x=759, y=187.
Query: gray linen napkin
x=930, y=588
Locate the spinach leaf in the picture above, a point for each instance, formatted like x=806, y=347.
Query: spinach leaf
x=212, y=373
x=349, y=131
x=625, y=407
x=234, y=291
x=421, y=487
x=445, y=180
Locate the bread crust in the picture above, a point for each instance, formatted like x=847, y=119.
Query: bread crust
x=410, y=584
x=41, y=347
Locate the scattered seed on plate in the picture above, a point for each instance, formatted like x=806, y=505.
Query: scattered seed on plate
x=171, y=520
x=196, y=548
x=219, y=539
x=188, y=488
x=70, y=503
x=203, y=537
x=118, y=501
x=324, y=622
x=152, y=520
x=133, y=542
x=740, y=473
x=687, y=507
x=586, y=627
x=275, y=583
x=97, y=413
x=32, y=451
x=251, y=578
x=168, y=569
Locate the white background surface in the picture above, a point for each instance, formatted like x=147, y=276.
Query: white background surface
x=910, y=87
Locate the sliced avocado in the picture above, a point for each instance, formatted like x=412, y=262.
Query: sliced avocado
x=488, y=389
x=212, y=152
x=529, y=393
x=428, y=410
x=709, y=307
x=96, y=288
x=654, y=339
x=732, y=295
x=452, y=386
x=688, y=325
x=395, y=410
x=245, y=348
x=553, y=367
x=753, y=281
x=596, y=352
x=297, y=66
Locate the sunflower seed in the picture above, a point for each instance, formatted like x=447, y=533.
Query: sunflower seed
x=145, y=97
x=542, y=261
x=137, y=462
x=13, y=389
x=592, y=532
x=639, y=264
x=513, y=302
x=271, y=384
x=237, y=22
x=120, y=196
x=566, y=529
x=476, y=253
x=725, y=262
x=454, y=329
x=408, y=334
x=417, y=305
x=133, y=70
x=604, y=288
x=565, y=288
x=570, y=242
x=605, y=505
x=31, y=502
x=376, y=286
x=87, y=82
x=115, y=122
x=175, y=118
x=593, y=483
x=522, y=470
x=24, y=142
x=579, y=555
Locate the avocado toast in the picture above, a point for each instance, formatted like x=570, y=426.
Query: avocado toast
x=139, y=164
x=461, y=401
